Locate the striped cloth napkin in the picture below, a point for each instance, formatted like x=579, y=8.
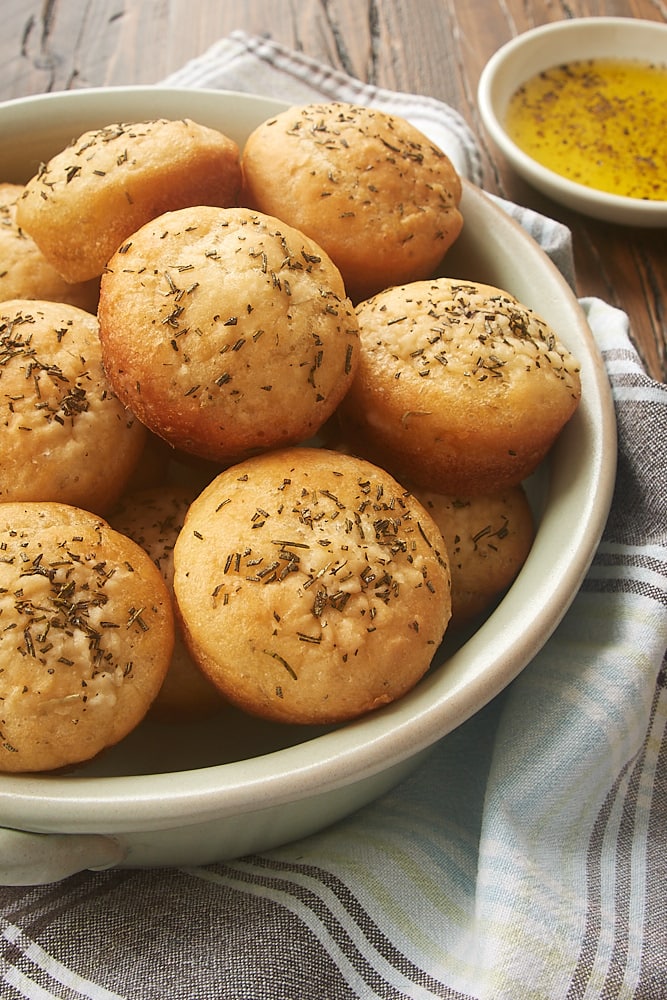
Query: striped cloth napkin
x=525, y=860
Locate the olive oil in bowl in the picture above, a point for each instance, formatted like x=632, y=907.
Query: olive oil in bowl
x=598, y=122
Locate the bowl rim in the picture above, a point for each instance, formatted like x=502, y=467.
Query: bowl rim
x=332, y=760
x=601, y=204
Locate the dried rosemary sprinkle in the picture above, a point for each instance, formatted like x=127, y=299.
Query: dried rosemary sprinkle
x=283, y=662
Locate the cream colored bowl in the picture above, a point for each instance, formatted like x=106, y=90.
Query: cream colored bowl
x=548, y=46
x=195, y=794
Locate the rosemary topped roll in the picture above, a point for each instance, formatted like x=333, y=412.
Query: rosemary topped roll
x=86, y=638
x=460, y=389
x=226, y=331
x=369, y=187
x=153, y=518
x=65, y=436
x=488, y=538
x=82, y=204
x=311, y=586
x=25, y=273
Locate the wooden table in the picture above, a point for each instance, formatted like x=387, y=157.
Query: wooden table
x=435, y=47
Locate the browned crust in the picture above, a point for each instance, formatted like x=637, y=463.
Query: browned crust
x=87, y=199
x=312, y=587
x=87, y=635
x=65, y=436
x=460, y=388
x=226, y=331
x=369, y=187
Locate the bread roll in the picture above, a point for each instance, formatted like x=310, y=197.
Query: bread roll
x=460, y=388
x=81, y=205
x=488, y=538
x=65, y=436
x=369, y=187
x=311, y=587
x=86, y=638
x=226, y=331
x=25, y=273
x=153, y=518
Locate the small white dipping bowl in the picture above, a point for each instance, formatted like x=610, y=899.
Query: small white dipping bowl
x=551, y=45
x=200, y=792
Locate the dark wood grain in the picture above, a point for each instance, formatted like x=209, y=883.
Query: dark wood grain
x=435, y=47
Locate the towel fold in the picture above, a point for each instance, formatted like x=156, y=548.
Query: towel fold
x=525, y=859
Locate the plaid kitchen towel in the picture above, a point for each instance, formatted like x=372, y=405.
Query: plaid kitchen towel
x=525, y=860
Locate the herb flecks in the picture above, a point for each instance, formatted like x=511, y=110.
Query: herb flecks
x=60, y=613
x=454, y=328
x=283, y=663
x=51, y=393
x=344, y=557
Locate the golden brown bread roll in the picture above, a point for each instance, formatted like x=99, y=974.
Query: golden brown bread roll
x=153, y=519
x=369, y=187
x=65, y=435
x=311, y=587
x=81, y=205
x=25, y=273
x=460, y=388
x=86, y=639
x=226, y=331
x=488, y=538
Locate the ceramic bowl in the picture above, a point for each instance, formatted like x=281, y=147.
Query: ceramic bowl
x=193, y=794
x=550, y=45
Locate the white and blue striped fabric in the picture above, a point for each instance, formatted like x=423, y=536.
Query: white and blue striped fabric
x=526, y=860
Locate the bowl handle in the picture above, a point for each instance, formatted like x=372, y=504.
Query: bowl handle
x=38, y=858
